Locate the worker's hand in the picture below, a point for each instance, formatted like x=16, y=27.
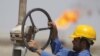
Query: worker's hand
x=33, y=44
x=53, y=30
x=52, y=25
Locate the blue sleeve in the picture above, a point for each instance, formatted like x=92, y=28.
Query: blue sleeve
x=62, y=52
x=84, y=53
x=55, y=45
x=44, y=53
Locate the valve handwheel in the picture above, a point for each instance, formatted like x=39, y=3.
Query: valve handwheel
x=33, y=30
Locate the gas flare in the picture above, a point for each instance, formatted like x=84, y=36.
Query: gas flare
x=66, y=19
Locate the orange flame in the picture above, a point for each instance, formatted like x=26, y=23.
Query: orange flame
x=65, y=20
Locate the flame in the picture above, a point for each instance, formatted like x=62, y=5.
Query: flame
x=66, y=19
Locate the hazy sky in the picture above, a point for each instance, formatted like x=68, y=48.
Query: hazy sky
x=9, y=13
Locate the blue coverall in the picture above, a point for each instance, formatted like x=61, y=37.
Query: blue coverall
x=58, y=50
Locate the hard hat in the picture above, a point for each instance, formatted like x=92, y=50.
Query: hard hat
x=84, y=31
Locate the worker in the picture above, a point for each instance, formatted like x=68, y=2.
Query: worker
x=84, y=37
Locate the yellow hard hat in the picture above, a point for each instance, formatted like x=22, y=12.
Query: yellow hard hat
x=84, y=31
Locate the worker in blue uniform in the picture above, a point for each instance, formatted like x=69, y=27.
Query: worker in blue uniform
x=83, y=37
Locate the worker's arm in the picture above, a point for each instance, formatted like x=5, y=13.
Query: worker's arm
x=66, y=52
x=55, y=43
x=33, y=44
x=61, y=52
